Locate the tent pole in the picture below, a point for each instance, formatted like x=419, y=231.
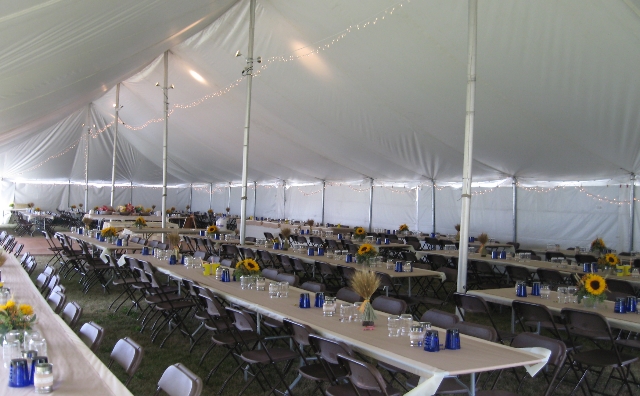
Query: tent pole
x=284, y=198
x=229, y=196
x=632, y=210
x=371, y=205
x=131, y=192
x=514, y=187
x=115, y=141
x=165, y=139
x=191, y=196
x=69, y=195
x=468, y=149
x=255, y=192
x=210, y=195
x=417, y=208
x=433, y=206
x=86, y=160
x=247, y=121
x=323, y=188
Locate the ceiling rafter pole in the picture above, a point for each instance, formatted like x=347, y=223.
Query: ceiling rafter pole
x=324, y=184
x=165, y=140
x=115, y=142
x=632, y=210
x=514, y=187
x=371, y=206
x=247, y=122
x=468, y=148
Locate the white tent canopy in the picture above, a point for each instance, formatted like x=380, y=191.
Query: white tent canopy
x=346, y=91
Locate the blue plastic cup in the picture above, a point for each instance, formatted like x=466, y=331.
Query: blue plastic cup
x=398, y=266
x=495, y=255
x=172, y=259
x=310, y=251
x=632, y=304
x=586, y=267
x=620, y=305
x=276, y=246
x=304, y=300
x=319, y=300
x=431, y=341
x=453, y=339
x=18, y=373
x=145, y=251
x=472, y=239
x=320, y=251
x=349, y=258
x=535, y=289
x=379, y=241
x=203, y=232
x=387, y=241
x=503, y=255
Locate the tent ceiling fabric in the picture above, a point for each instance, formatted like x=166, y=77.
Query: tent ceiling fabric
x=346, y=90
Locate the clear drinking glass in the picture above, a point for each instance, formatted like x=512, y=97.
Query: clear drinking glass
x=357, y=315
x=416, y=335
x=274, y=289
x=635, y=273
x=545, y=291
x=562, y=295
x=283, y=289
x=406, y=320
x=329, y=306
x=572, y=292
x=38, y=344
x=346, y=312
x=393, y=325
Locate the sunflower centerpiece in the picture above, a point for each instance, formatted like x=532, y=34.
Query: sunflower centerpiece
x=140, y=222
x=598, y=246
x=591, y=290
x=608, y=260
x=245, y=270
x=403, y=229
x=109, y=232
x=212, y=230
x=16, y=316
x=359, y=233
x=365, y=254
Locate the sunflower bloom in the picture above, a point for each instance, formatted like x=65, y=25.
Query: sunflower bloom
x=595, y=284
x=365, y=249
x=360, y=231
x=26, y=309
x=251, y=265
x=10, y=304
x=212, y=229
x=611, y=259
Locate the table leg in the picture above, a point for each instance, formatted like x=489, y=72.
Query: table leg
x=513, y=321
x=409, y=291
x=472, y=385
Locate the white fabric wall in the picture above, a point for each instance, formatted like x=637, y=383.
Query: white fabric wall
x=425, y=223
x=491, y=211
x=304, y=203
x=393, y=206
x=270, y=201
x=570, y=217
x=7, y=190
x=347, y=205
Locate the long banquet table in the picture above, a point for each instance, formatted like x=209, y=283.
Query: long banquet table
x=77, y=371
x=506, y=296
x=475, y=356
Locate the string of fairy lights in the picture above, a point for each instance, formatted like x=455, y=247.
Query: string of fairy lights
x=321, y=45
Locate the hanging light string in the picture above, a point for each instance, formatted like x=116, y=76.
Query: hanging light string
x=309, y=50
x=318, y=46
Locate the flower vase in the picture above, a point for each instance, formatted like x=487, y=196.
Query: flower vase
x=139, y=226
x=483, y=251
x=368, y=314
x=590, y=302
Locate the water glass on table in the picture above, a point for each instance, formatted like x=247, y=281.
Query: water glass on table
x=406, y=320
x=346, y=312
x=562, y=295
x=545, y=291
x=572, y=294
x=393, y=326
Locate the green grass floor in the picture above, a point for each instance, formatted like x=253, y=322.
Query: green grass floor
x=119, y=325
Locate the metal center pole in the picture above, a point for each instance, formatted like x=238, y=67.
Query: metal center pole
x=165, y=139
x=115, y=142
x=247, y=122
x=468, y=149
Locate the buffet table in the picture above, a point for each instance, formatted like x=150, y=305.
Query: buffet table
x=76, y=370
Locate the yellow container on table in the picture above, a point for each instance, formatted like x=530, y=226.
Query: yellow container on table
x=207, y=269
x=214, y=268
x=627, y=270
x=619, y=270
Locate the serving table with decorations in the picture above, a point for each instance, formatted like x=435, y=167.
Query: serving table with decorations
x=76, y=369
